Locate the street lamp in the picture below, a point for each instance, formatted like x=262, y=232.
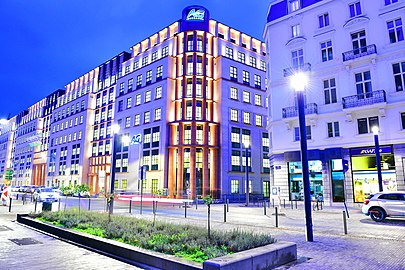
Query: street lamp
x=378, y=157
x=246, y=145
x=299, y=82
x=115, y=129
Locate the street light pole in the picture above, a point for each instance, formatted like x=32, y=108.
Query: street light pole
x=246, y=144
x=378, y=158
x=115, y=129
x=299, y=83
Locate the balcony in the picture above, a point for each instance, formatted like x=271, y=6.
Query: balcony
x=360, y=52
x=364, y=99
x=310, y=108
x=292, y=70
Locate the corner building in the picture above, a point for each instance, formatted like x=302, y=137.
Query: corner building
x=193, y=92
x=353, y=54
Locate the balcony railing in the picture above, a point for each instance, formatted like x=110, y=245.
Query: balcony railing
x=364, y=99
x=310, y=108
x=290, y=71
x=360, y=52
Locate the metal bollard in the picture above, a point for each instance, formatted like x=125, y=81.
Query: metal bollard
x=296, y=204
x=276, y=216
x=89, y=204
x=59, y=204
x=196, y=203
x=273, y=202
x=9, y=207
x=227, y=205
x=35, y=209
x=264, y=208
x=130, y=206
x=224, y=212
x=23, y=199
x=17, y=197
x=344, y=222
x=185, y=209
x=284, y=203
x=292, y=206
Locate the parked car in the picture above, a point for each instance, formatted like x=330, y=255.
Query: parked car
x=46, y=194
x=83, y=194
x=384, y=204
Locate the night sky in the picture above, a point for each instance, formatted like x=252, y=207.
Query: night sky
x=45, y=44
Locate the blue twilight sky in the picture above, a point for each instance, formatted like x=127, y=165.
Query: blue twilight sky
x=45, y=44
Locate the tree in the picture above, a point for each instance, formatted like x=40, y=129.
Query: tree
x=67, y=191
x=208, y=201
x=81, y=190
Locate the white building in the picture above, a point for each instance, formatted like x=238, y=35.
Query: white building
x=354, y=55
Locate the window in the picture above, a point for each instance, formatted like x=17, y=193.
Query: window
x=365, y=125
x=120, y=105
x=233, y=73
x=389, y=2
x=246, y=117
x=258, y=100
x=403, y=120
x=295, y=30
x=326, y=48
x=148, y=96
x=297, y=133
x=329, y=89
x=399, y=75
x=259, y=120
x=122, y=87
x=246, y=77
x=241, y=57
x=128, y=122
x=130, y=83
x=189, y=88
x=139, y=81
x=323, y=20
x=198, y=88
x=189, y=110
x=235, y=160
x=359, y=42
x=234, y=115
x=198, y=110
x=252, y=61
x=234, y=93
x=129, y=102
x=189, y=42
x=146, y=117
x=363, y=84
x=159, y=73
x=158, y=114
x=265, y=142
x=127, y=69
x=297, y=58
x=137, y=119
x=333, y=129
x=199, y=43
x=138, y=99
x=136, y=65
x=165, y=51
x=294, y=5
x=199, y=70
x=200, y=134
x=246, y=96
x=149, y=77
x=395, y=31
x=355, y=9
x=154, y=56
x=187, y=134
x=229, y=52
x=158, y=92
x=189, y=65
x=234, y=186
x=263, y=65
x=258, y=81
x=145, y=61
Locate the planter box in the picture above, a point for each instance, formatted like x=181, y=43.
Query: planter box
x=266, y=257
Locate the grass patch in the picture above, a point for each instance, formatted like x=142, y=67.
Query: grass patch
x=185, y=241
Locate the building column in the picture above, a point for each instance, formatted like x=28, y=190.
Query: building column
x=171, y=172
x=179, y=171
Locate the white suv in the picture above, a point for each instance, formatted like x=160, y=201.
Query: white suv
x=384, y=204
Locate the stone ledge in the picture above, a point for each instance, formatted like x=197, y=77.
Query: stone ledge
x=266, y=257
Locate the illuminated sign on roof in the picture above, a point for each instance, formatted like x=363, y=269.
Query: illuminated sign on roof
x=196, y=15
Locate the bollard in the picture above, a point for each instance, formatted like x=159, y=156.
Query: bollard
x=130, y=206
x=35, y=209
x=89, y=203
x=344, y=222
x=196, y=203
x=185, y=209
x=273, y=202
x=9, y=207
x=264, y=208
x=292, y=206
x=284, y=203
x=224, y=212
x=59, y=204
x=296, y=204
x=23, y=199
x=276, y=216
x=17, y=197
x=227, y=205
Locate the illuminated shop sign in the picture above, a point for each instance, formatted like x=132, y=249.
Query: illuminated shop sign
x=195, y=15
x=136, y=139
x=370, y=151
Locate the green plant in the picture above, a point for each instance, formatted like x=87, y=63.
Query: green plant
x=208, y=201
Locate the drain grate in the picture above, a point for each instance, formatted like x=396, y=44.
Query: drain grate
x=4, y=228
x=25, y=241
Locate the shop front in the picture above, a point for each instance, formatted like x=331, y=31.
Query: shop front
x=295, y=179
x=364, y=169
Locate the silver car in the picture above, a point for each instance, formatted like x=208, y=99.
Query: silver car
x=46, y=194
x=384, y=204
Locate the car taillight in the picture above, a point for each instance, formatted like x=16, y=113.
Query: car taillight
x=366, y=201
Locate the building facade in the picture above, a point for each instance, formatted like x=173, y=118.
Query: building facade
x=353, y=54
x=186, y=100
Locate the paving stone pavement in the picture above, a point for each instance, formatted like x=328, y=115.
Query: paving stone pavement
x=368, y=245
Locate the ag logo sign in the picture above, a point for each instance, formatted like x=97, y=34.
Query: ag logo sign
x=195, y=15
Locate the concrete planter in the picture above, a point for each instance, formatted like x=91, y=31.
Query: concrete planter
x=266, y=257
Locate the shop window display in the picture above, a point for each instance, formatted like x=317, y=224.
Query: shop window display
x=315, y=178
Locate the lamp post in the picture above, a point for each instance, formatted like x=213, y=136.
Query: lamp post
x=378, y=157
x=298, y=82
x=115, y=129
x=246, y=145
